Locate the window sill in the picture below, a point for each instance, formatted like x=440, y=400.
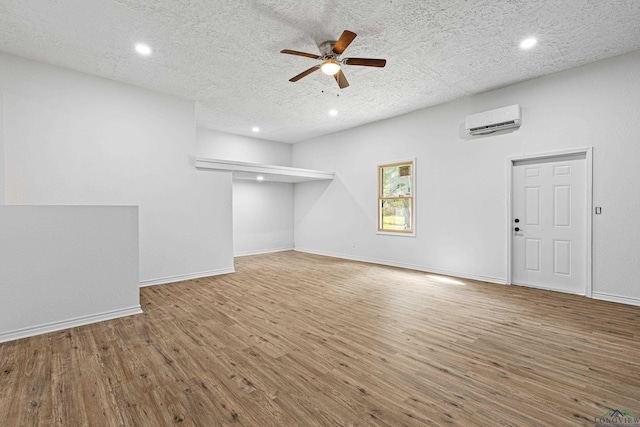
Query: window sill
x=391, y=233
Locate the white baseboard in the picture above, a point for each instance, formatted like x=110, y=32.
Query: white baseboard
x=261, y=252
x=182, y=277
x=70, y=323
x=426, y=269
x=615, y=298
x=546, y=288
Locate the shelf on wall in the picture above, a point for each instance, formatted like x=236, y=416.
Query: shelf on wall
x=251, y=171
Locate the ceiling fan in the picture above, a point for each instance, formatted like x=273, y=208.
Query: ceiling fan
x=330, y=52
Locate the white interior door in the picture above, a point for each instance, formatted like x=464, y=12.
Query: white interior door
x=549, y=236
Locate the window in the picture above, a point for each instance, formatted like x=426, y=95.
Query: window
x=395, y=198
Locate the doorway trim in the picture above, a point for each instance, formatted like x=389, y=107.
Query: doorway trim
x=588, y=153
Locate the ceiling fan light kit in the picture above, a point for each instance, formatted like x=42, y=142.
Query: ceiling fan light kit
x=330, y=67
x=330, y=52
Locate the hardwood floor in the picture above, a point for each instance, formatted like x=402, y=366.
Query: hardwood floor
x=294, y=339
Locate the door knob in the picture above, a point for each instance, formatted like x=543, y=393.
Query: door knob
x=516, y=220
x=517, y=229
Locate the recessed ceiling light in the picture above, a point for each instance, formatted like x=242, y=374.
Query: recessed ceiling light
x=256, y=129
x=333, y=112
x=143, y=49
x=528, y=43
x=260, y=178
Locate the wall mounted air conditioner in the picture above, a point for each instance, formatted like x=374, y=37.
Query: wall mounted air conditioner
x=494, y=120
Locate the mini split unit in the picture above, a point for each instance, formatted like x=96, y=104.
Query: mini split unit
x=494, y=120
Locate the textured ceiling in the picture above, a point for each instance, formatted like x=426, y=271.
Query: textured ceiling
x=224, y=54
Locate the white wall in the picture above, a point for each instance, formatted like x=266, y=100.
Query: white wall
x=70, y=138
x=64, y=266
x=225, y=146
x=2, y=179
x=262, y=217
x=262, y=211
x=461, y=181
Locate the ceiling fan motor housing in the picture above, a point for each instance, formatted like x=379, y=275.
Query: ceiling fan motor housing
x=326, y=49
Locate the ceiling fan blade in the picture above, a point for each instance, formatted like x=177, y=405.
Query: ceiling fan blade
x=366, y=62
x=295, y=52
x=304, y=73
x=341, y=79
x=344, y=41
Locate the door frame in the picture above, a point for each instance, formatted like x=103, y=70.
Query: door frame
x=588, y=152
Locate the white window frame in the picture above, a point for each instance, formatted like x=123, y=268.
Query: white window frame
x=379, y=198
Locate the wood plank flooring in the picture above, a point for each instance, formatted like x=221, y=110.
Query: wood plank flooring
x=294, y=339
